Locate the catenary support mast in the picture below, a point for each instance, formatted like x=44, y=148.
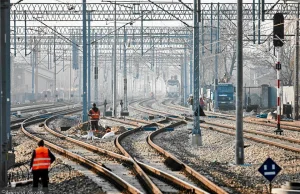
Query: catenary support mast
x=4, y=88
x=296, y=71
x=196, y=132
x=239, y=144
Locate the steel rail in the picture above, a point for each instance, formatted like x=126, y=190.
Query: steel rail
x=33, y=109
x=147, y=122
x=207, y=183
x=210, y=185
x=148, y=110
x=186, y=185
x=83, y=144
x=156, y=171
x=16, y=124
x=284, y=123
x=231, y=117
x=143, y=176
x=259, y=121
x=293, y=140
x=111, y=176
x=259, y=140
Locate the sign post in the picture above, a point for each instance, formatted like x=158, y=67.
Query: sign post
x=269, y=169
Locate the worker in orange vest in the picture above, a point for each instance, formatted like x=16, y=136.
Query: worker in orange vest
x=40, y=162
x=94, y=114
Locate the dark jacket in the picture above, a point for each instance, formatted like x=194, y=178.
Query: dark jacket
x=94, y=109
x=201, y=112
x=51, y=156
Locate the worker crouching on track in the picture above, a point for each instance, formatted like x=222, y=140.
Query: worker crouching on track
x=94, y=113
x=41, y=160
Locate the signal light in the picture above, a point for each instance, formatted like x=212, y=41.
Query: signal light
x=278, y=30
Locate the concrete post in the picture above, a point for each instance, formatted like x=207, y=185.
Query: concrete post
x=182, y=80
x=196, y=132
x=5, y=136
x=115, y=64
x=142, y=33
x=125, y=71
x=89, y=63
x=296, y=70
x=84, y=66
x=191, y=72
x=185, y=76
x=36, y=59
x=32, y=72
x=96, y=71
x=54, y=62
x=216, y=104
x=239, y=145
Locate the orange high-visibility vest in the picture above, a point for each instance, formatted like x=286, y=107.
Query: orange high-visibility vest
x=42, y=159
x=95, y=115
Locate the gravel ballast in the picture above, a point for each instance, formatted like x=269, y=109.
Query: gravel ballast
x=216, y=159
x=63, y=177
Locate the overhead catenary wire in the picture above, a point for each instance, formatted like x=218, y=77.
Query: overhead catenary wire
x=231, y=21
x=226, y=40
x=55, y=31
x=131, y=22
x=170, y=14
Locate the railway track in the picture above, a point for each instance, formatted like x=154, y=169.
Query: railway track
x=144, y=176
x=288, y=143
x=155, y=169
x=34, y=108
x=144, y=139
x=16, y=124
x=258, y=121
x=27, y=104
x=154, y=189
x=134, y=144
x=94, y=149
x=260, y=134
x=81, y=152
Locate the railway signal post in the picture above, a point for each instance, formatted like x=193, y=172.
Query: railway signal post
x=278, y=36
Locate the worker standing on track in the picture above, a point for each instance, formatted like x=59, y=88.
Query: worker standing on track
x=190, y=102
x=201, y=102
x=94, y=113
x=40, y=162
